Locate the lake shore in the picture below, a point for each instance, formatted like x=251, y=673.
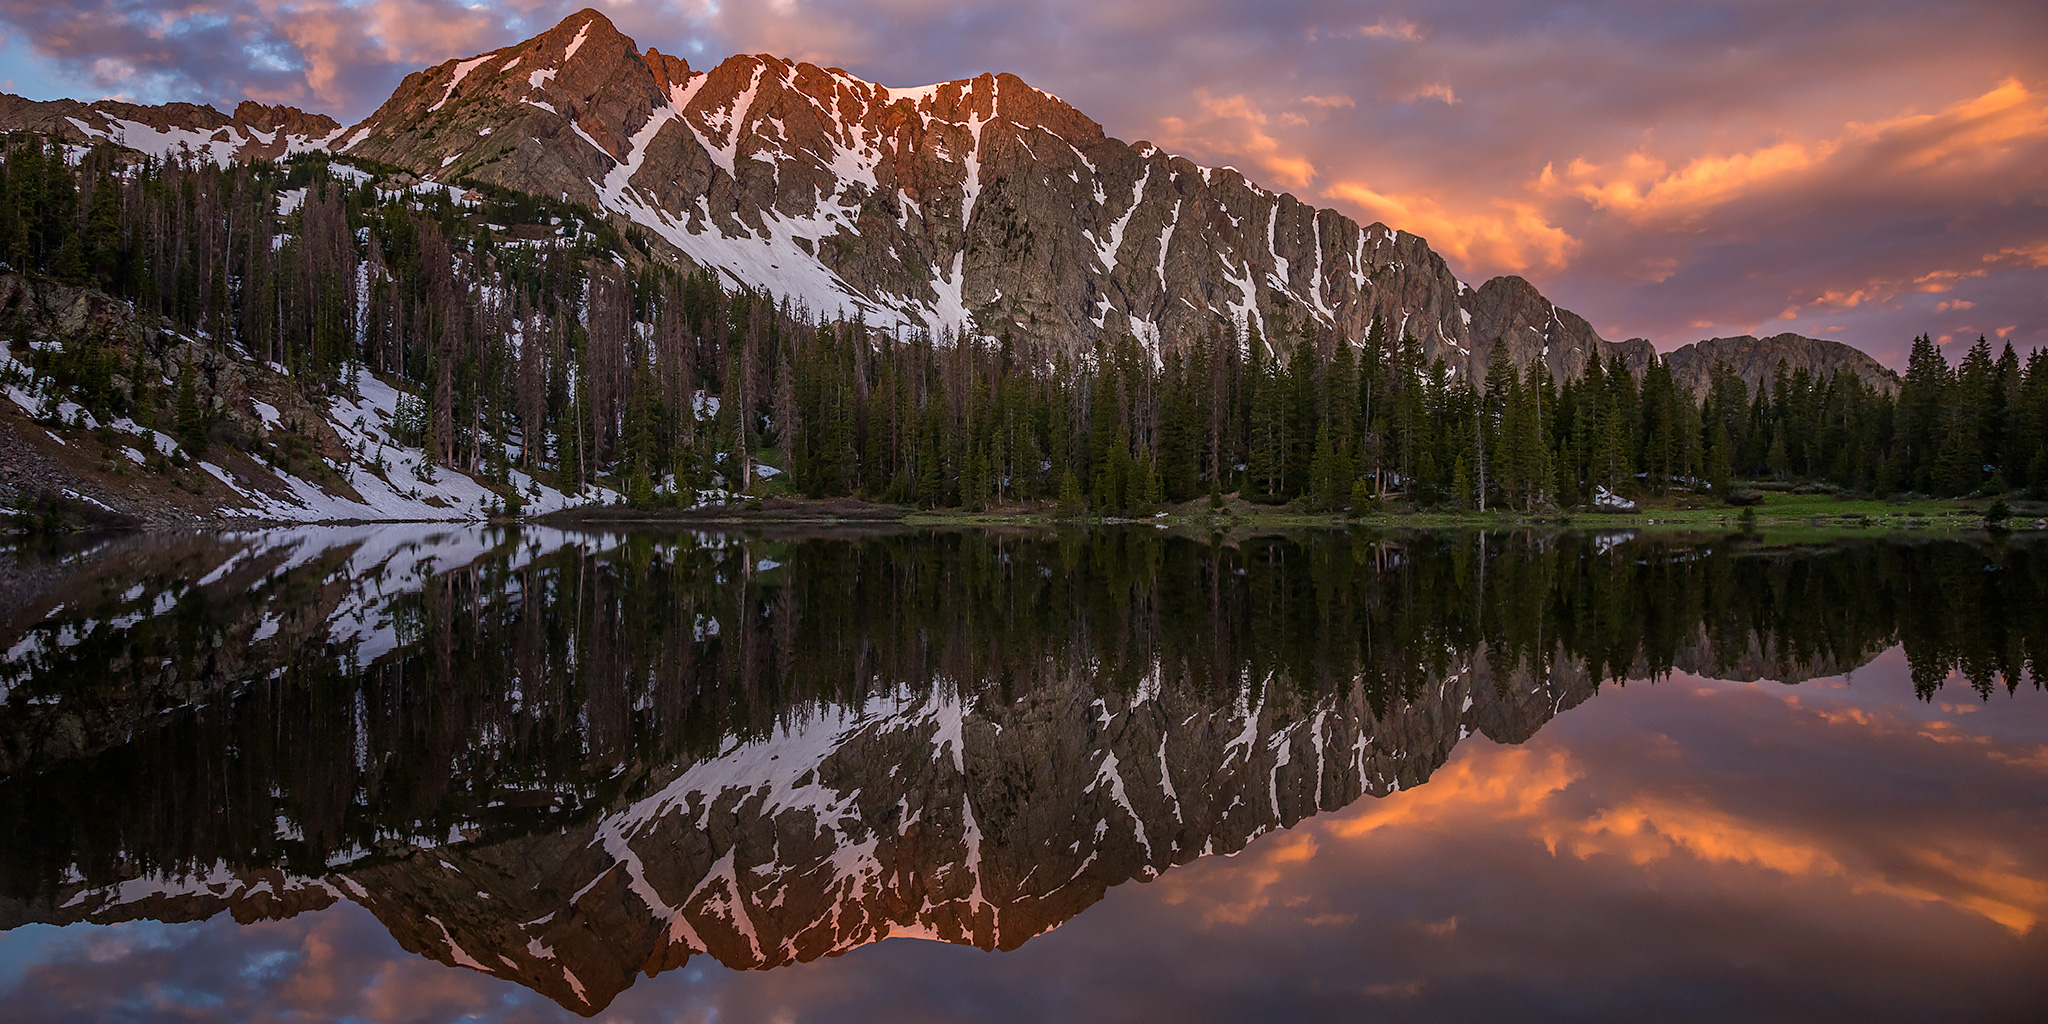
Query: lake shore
x=1777, y=510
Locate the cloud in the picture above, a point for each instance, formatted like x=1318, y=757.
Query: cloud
x=1645, y=187
x=1700, y=168
x=1887, y=292
x=326, y=54
x=2034, y=255
x=1491, y=782
x=1980, y=132
x=1862, y=215
x=1405, y=31
x=1235, y=126
x=1434, y=91
x=1513, y=236
x=1644, y=830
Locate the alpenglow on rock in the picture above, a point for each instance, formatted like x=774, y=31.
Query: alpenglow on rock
x=981, y=205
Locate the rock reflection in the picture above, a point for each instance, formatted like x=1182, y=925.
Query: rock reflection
x=567, y=759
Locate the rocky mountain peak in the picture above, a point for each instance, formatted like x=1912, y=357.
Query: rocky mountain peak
x=189, y=131
x=1508, y=312
x=983, y=205
x=291, y=120
x=1756, y=361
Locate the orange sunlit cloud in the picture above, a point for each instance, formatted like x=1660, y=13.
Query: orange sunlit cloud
x=1511, y=235
x=1981, y=130
x=2031, y=255
x=1646, y=830
x=1645, y=187
x=1651, y=189
x=1236, y=126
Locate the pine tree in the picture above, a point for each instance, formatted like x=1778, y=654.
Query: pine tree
x=191, y=418
x=1719, y=466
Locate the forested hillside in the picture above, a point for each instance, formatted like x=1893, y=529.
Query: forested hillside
x=528, y=343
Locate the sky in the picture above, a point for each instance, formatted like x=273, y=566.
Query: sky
x=1865, y=171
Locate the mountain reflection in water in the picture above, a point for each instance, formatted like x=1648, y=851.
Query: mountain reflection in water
x=568, y=759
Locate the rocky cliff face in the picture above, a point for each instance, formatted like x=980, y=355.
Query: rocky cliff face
x=1756, y=361
x=186, y=130
x=982, y=205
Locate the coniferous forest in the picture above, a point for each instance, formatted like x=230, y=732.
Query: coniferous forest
x=534, y=334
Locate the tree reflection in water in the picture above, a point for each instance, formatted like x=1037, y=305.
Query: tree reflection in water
x=569, y=758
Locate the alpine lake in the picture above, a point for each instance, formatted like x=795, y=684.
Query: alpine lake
x=818, y=773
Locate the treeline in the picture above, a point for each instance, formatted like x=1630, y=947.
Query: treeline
x=534, y=334
x=1335, y=425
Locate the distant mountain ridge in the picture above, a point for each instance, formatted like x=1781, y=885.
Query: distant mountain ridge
x=982, y=204
x=1756, y=361
x=253, y=132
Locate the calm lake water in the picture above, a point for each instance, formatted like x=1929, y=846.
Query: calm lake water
x=425, y=774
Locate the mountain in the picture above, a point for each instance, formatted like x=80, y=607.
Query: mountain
x=354, y=465
x=983, y=202
x=253, y=132
x=980, y=204
x=1756, y=361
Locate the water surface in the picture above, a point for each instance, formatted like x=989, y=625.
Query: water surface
x=428, y=773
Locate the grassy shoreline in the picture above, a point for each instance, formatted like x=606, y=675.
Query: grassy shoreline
x=1778, y=510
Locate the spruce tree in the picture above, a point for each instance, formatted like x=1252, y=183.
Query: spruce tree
x=191, y=418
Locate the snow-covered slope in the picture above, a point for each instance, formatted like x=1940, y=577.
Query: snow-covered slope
x=290, y=461
x=982, y=205
x=370, y=474
x=176, y=130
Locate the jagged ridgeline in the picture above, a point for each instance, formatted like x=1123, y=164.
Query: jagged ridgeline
x=567, y=263
x=648, y=745
x=527, y=340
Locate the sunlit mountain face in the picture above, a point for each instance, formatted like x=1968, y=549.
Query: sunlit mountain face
x=1857, y=172
x=573, y=761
